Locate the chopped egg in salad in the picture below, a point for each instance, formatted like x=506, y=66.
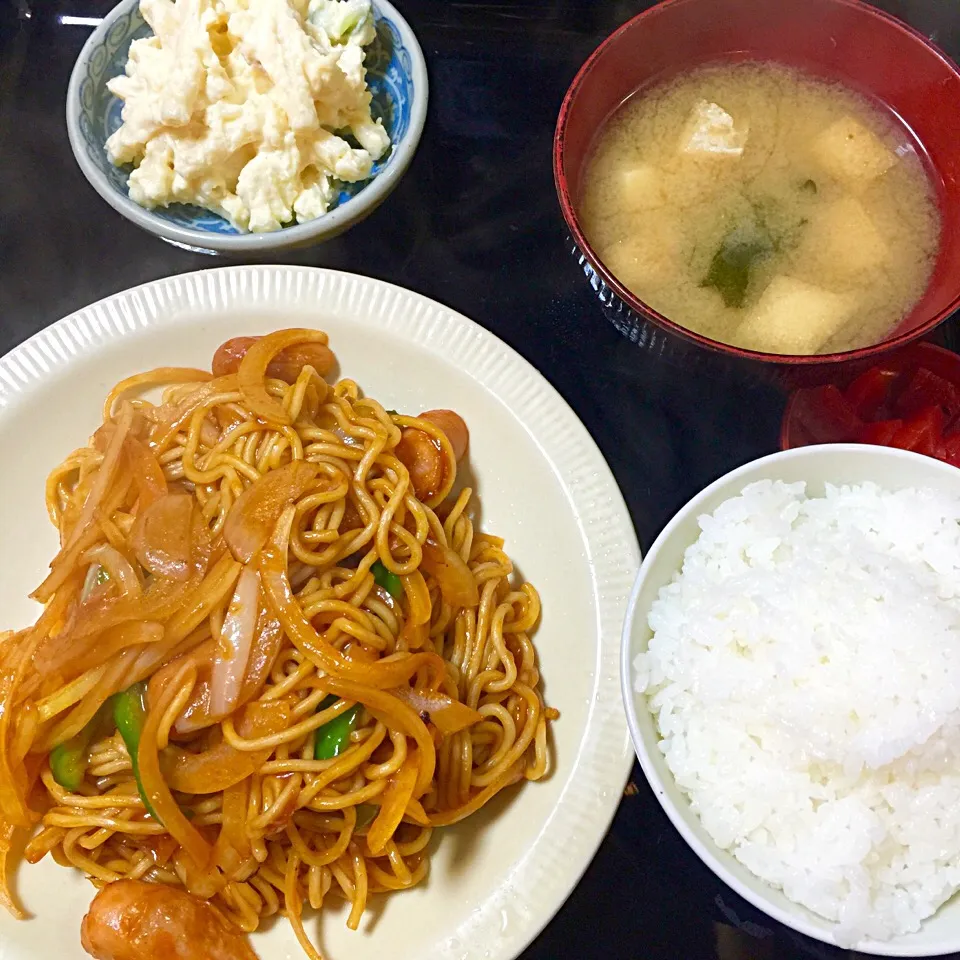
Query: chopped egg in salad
x=242, y=107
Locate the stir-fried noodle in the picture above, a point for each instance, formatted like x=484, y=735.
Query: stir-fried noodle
x=275, y=653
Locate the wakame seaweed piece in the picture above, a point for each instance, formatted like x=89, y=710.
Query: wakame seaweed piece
x=729, y=272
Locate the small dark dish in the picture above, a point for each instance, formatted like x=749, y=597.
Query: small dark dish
x=910, y=399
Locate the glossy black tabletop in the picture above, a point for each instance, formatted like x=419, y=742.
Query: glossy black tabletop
x=475, y=224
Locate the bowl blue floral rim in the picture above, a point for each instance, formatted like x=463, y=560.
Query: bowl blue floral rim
x=398, y=80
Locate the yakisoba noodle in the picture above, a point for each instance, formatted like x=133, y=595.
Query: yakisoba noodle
x=333, y=661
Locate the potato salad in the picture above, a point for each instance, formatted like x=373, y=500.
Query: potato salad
x=252, y=109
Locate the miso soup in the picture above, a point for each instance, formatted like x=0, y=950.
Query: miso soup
x=763, y=208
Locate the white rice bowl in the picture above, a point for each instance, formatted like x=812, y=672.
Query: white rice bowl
x=803, y=672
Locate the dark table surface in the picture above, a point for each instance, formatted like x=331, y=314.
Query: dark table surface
x=474, y=224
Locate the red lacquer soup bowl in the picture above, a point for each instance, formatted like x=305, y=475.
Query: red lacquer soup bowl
x=845, y=41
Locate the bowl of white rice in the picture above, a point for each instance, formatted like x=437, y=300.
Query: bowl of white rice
x=791, y=674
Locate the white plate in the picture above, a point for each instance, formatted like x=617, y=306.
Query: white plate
x=498, y=878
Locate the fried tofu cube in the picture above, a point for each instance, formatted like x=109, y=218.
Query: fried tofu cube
x=842, y=242
x=794, y=317
x=851, y=153
x=711, y=132
x=641, y=188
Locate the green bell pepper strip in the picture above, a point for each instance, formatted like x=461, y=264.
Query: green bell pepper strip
x=331, y=739
x=389, y=581
x=366, y=814
x=129, y=713
x=68, y=760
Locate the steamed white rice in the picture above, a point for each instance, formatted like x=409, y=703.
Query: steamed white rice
x=804, y=672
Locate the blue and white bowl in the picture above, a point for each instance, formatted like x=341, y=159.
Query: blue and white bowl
x=397, y=76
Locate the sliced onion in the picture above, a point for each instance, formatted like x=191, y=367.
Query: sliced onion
x=381, y=674
x=118, y=568
x=227, y=418
x=286, y=365
x=236, y=640
x=147, y=472
x=204, y=883
x=457, y=585
x=170, y=418
x=64, y=565
x=223, y=766
x=90, y=581
x=161, y=846
x=416, y=814
x=151, y=378
x=200, y=657
x=393, y=803
x=419, y=605
x=445, y=818
x=198, y=713
x=256, y=511
x=102, y=622
x=73, y=659
x=233, y=844
x=83, y=534
x=445, y=713
x=7, y=897
x=209, y=435
x=105, y=475
x=252, y=372
x=154, y=788
x=396, y=715
x=162, y=536
x=266, y=645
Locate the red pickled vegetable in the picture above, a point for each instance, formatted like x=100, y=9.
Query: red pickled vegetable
x=927, y=389
x=910, y=400
x=826, y=415
x=870, y=391
x=921, y=432
x=880, y=433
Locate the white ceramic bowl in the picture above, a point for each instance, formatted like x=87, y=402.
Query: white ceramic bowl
x=817, y=465
x=396, y=75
